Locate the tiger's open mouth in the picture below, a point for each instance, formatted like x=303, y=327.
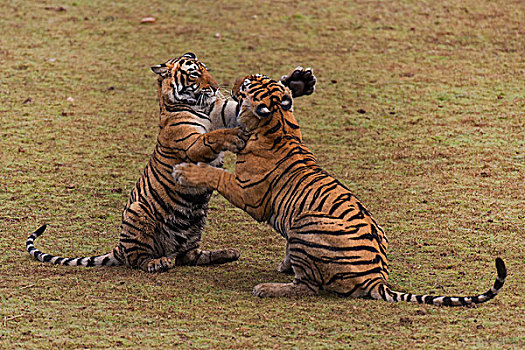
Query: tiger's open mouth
x=206, y=97
x=202, y=98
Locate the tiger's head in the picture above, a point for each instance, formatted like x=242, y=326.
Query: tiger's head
x=265, y=103
x=185, y=80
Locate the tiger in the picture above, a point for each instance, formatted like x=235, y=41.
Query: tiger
x=333, y=242
x=162, y=221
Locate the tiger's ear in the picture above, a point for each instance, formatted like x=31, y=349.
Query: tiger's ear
x=160, y=69
x=236, y=90
x=190, y=55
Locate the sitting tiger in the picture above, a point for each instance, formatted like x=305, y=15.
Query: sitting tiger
x=333, y=242
x=162, y=220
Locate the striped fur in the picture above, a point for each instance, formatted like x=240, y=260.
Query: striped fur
x=162, y=220
x=333, y=242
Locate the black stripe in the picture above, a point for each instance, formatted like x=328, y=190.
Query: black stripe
x=186, y=137
x=352, y=275
x=429, y=300
x=291, y=125
x=223, y=117
x=135, y=245
x=131, y=224
x=273, y=129
x=157, y=198
x=342, y=232
x=66, y=262
x=188, y=123
x=332, y=248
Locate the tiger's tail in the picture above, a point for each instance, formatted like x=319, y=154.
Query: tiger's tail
x=383, y=292
x=108, y=259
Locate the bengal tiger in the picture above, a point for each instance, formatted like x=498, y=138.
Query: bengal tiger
x=162, y=221
x=333, y=242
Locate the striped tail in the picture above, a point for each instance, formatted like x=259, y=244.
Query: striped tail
x=383, y=292
x=108, y=259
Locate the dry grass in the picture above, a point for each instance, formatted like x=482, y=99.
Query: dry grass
x=419, y=109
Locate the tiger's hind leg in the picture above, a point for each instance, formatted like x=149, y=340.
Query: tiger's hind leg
x=303, y=284
x=198, y=257
x=308, y=275
x=306, y=281
x=137, y=240
x=295, y=289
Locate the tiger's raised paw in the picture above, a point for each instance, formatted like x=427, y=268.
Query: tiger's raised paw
x=188, y=174
x=160, y=264
x=300, y=81
x=183, y=173
x=234, y=139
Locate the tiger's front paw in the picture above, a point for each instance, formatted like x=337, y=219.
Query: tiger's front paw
x=160, y=264
x=187, y=174
x=264, y=290
x=233, y=140
x=222, y=256
x=301, y=81
x=272, y=290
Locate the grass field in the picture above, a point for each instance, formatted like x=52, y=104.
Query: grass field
x=419, y=109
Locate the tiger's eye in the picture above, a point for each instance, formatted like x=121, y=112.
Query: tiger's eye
x=263, y=111
x=286, y=103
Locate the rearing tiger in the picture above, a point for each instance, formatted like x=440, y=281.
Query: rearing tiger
x=333, y=242
x=162, y=220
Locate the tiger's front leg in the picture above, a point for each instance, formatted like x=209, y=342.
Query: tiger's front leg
x=301, y=81
x=286, y=265
x=214, y=142
x=198, y=257
x=204, y=175
x=232, y=140
x=200, y=174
